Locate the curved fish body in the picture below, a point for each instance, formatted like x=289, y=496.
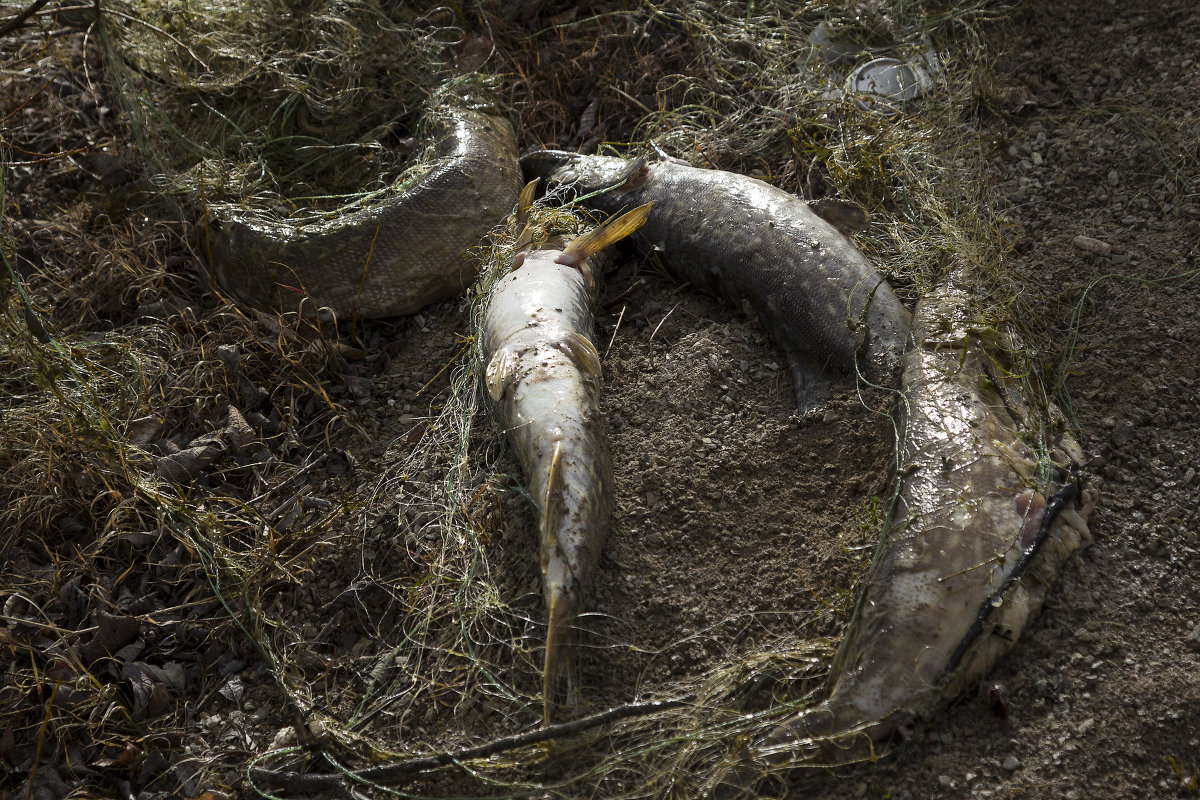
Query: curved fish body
x=544, y=372
x=981, y=527
x=393, y=258
x=755, y=245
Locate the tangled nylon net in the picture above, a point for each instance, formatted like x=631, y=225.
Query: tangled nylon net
x=296, y=110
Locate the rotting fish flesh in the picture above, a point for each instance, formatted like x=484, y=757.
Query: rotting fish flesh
x=758, y=246
x=544, y=372
x=981, y=527
x=393, y=258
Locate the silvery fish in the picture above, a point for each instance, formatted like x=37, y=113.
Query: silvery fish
x=758, y=246
x=981, y=527
x=390, y=259
x=544, y=372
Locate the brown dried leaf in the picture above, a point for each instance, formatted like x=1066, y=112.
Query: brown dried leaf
x=113, y=632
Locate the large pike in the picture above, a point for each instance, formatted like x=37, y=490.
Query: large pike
x=755, y=245
x=544, y=371
x=984, y=519
x=395, y=257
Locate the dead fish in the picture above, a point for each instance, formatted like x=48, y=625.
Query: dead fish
x=391, y=259
x=758, y=246
x=544, y=372
x=981, y=527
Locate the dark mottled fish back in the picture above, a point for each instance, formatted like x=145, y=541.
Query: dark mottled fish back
x=391, y=259
x=752, y=243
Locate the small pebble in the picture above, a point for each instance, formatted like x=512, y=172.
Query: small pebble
x=1011, y=764
x=1090, y=245
x=284, y=737
x=1193, y=640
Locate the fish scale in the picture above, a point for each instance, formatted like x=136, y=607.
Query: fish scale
x=982, y=524
x=756, y=246
x=393, y=258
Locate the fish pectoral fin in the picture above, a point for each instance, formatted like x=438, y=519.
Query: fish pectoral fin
x=500, y=373
x=525, y=201
x=524, y=239
x=583, y=354
x=845, y=215
x=813, y=385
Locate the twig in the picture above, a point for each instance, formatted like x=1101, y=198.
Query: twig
x=615, y=329
x=661, y=321
x=291, y=781
x=19, y=19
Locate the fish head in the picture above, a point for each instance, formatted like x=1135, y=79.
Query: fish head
x=580, y=175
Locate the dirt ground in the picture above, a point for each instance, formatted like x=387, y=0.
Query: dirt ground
x=1102, y=691
x=741, y=522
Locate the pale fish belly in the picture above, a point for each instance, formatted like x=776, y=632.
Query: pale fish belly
x=544, y=372
x=982, y=524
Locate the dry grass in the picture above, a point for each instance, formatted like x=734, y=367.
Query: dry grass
x=293, y=111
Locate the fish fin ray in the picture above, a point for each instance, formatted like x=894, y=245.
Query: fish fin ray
x=525, y=200
x=525, y=237
x=813, y=385
x=552, y=502
x=559, y=681
x=500, y=372
x=845, y=215
x=583, y=354
x=612, y=231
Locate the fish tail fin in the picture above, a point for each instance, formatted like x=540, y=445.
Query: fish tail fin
x=560, y=676
x=560, y=680
x=612, y=231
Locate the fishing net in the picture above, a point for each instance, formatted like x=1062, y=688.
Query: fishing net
x=304, y=110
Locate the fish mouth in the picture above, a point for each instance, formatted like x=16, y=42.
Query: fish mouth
x=585, y=174
x=560, y=678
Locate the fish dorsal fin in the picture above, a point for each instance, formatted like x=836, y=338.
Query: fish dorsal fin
x=612, y=231
x=525, y=237
x=525, y=201
x=500, y=373
x=845, y=215
x=583, y=354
